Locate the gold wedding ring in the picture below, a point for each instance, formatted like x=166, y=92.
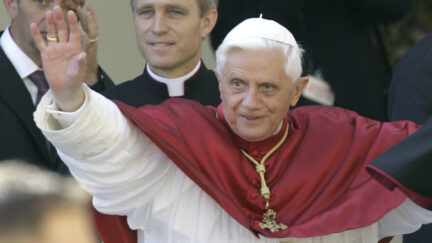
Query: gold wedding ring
x=93, y=40
x=52, y=39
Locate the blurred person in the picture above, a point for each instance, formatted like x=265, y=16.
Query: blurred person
x=248, y=170
x=410, y=99
x=411, y=87
x=346, y=60
x=39, y=206
x=23, y=82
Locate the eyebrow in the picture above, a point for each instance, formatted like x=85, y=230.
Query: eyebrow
x=176, y=6
x=268, y=83
x=166, y=6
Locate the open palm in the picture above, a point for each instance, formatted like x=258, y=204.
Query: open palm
x=63, y=61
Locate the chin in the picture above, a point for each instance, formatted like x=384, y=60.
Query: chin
x=252, y=134
x=252, y=138
x=164, y=64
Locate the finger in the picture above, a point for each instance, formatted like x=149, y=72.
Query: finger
x=62, y=31
x=91, y=13
x=40, y=43
x=74, y=35
x=92, y=23
x=79, y=13
x=84, y=39
x=81, y=18
x=52, y=32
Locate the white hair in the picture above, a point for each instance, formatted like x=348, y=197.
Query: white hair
x=292, y=54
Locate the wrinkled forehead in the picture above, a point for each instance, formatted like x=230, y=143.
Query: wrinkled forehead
x=263, y=64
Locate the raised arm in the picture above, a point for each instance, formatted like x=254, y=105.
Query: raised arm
x=63, y=61
x=109, y=156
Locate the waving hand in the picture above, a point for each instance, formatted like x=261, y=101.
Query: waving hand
x=63, y=61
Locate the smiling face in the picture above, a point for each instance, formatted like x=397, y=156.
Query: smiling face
x=170, y=33
x=25, y=12
x=256, y=92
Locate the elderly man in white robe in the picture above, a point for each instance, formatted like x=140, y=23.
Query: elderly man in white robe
x=139, y=165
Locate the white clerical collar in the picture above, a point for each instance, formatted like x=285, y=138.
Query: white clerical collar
x=175, y=85
x=279, y=128
x=22, y=63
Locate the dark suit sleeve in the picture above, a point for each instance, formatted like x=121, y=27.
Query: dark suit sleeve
x=410, y=99
x=103, y=83
x=410, y=89
x=408, y=164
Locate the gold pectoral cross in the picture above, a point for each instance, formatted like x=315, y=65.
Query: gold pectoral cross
x=269, y=222
x=269, y=216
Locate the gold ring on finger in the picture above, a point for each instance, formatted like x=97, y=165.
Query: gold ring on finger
x=52, y=39
x=93, y=40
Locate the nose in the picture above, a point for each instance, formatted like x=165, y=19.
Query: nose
x=251, y=100
x=159, y=24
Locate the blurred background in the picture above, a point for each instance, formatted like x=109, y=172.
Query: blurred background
x=117, y=51
x=399, y=36
x=119, y=56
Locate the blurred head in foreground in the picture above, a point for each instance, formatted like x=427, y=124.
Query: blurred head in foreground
x=38, y=206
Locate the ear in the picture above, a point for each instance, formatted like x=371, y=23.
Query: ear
x=11, y=8
x=208, y=21
x=299, y=86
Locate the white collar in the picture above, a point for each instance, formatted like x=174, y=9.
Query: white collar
x=175, y=85
x=22, y=63
x=279, y=128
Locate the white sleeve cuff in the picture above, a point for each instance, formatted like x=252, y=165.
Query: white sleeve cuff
x=66, y=119
x=55, y=119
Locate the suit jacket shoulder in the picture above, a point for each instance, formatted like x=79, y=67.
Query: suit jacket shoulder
x=20, y=139
x=411, y=86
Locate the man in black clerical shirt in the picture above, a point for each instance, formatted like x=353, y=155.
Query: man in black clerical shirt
x=169, y=35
